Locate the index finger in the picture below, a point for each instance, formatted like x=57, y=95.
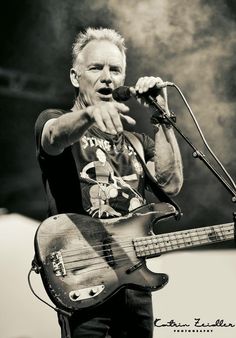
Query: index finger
x=121, y=107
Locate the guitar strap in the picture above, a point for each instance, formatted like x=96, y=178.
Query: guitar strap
x=151, y=181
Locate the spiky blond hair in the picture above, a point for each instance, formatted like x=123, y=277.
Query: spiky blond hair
x=99, y=34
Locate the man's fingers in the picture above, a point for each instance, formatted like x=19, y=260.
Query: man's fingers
x=152, y=82
x=128, y=119
x=107, y=116
x=121, y=107
x=108, y=121
x=115, y=117
x=99, y=120
x=132, y=90
x=124, y=109
x=145, y=83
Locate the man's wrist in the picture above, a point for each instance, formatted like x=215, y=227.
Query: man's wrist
x=88, y=111
x=164, y=121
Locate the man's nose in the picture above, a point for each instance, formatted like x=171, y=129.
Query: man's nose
x=106, y=76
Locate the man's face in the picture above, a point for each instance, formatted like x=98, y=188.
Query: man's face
x=100, y=70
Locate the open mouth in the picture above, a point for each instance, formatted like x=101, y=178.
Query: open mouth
x=105, y=91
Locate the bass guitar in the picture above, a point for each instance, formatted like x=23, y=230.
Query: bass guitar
x=83, y=261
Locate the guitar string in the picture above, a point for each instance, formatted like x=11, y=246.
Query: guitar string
x=101, y=244
x=102, y=267
x=179, y=240
x=106, y=265
x=156, y=249
x=180, y=244
x=102, y=257
x=115, y=245
x=198, y=231
x=103, y=249
x=102, y=262
x=118, y=257
x=76, y=267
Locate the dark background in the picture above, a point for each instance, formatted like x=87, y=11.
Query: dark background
x=190, y=43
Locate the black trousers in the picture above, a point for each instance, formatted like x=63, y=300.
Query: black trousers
x=127, y=314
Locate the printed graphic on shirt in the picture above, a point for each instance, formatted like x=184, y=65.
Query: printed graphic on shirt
x=108, y=192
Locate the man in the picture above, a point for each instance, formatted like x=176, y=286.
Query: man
x=89, y=166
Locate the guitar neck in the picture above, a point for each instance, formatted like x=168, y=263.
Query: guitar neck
x=151, y=246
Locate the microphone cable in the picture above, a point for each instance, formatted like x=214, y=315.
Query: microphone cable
x=171, y=84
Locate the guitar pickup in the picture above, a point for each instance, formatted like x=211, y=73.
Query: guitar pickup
x=58, y=264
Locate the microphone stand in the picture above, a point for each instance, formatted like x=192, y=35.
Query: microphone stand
x=162, y=116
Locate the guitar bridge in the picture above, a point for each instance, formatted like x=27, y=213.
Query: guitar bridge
x=58, y=264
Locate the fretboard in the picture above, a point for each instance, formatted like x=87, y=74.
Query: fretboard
x=151, y=246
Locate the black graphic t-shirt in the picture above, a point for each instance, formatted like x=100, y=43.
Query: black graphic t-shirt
x=100, y=174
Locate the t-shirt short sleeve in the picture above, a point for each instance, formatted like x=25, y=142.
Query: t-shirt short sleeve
x=45, y=116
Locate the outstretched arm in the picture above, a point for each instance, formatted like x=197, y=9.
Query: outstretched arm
x=67, y=129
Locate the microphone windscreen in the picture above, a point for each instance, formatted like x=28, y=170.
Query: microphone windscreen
x=121, y=94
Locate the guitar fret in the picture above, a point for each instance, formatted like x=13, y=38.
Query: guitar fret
x=142, y=246
x=139, y=247
x=173, y=241
x=164, y=243
x=169, y=242
x=198, y=240
x=222, y=233
x=177, y=241
x=227, y=233
x=202, y=235
x=180, y=240
x=157, y=248
x=194, y=237
x=191, y=238
x=153, y=245
x=187, y=239
x=230, y=235
x=156, y=245
x=210, y=235
x=216, y=234
x=150, y=247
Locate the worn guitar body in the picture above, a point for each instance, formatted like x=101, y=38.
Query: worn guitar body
x=84, y=261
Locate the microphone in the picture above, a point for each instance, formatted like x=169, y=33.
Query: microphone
x=123, y=93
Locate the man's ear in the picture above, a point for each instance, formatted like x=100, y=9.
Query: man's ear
x=74, y=77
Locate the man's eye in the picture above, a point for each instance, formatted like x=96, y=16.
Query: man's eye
x=115, y=70
x=94, y=68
